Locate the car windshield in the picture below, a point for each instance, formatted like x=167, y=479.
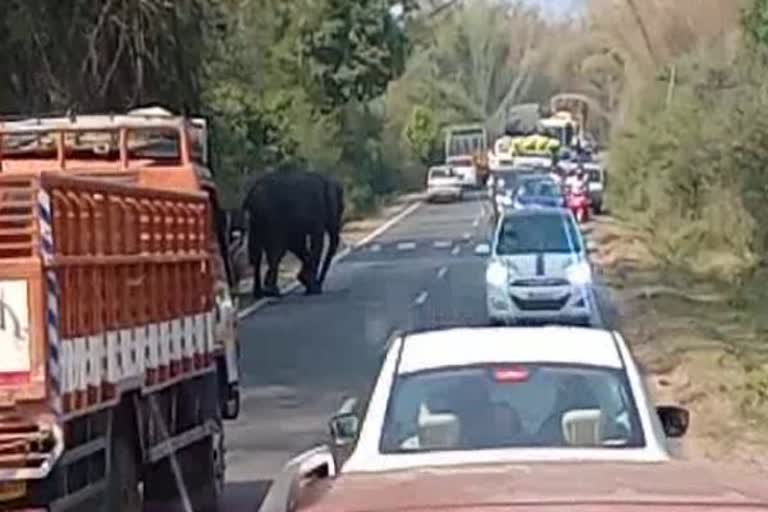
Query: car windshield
x=538, y=232
x=511, y=406
x=540, y=188
x=462, y=162
x=595, y=175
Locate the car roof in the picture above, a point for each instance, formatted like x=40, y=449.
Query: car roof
x=471, y=346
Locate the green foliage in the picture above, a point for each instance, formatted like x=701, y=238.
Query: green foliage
x=350, y=50
x=421, y=135
x=756, y=23
x=308, y=73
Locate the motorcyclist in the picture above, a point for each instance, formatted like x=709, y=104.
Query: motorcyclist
x=577, y=180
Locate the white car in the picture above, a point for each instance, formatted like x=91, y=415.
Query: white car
x=538, y=269
x=465, y=167
x=512, y=419
x=443, y=182
x=489, y=395
x=596, y=186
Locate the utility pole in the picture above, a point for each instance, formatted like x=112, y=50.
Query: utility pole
x=671, y=87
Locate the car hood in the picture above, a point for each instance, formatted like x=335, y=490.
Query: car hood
x=668, y=486
x=549, y=264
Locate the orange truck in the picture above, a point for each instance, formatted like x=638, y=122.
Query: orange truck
x=118, y=341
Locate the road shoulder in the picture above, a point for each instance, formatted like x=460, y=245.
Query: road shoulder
x=698, y=347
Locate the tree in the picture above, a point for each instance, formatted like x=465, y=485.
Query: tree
x=472, y=69
x=755, y=23
x=421, y=134
x=102, y=55
x=350, y=50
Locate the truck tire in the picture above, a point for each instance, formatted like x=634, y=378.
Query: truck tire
x=206, y=457
x=123, y=493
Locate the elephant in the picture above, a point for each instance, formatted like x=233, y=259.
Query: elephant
x=292, y=210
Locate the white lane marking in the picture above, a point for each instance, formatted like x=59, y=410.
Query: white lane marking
x=466, y=236
x=442, y=244
x=375, y=248
x=476, y=223
x=421, y=298
x=441, y=272
x=456, y=250
x=406, y=246
x=294, y=285
x=386, y=226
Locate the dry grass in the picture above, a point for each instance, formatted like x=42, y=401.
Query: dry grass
x=697, y=346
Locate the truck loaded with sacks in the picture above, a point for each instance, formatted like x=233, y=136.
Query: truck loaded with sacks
x=119, y=356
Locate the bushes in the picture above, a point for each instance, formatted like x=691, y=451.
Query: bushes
x=693, y=172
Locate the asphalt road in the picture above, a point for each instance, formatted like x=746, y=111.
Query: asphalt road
x=302, y=355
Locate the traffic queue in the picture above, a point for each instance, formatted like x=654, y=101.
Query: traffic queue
x=550, y=416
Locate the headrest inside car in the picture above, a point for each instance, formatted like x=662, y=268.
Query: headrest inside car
x=582, y=427
x=438, y=430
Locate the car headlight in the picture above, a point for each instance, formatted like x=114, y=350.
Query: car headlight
x=496, y=274
x=579, y=273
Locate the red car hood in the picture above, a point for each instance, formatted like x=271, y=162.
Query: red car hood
x=608, y=487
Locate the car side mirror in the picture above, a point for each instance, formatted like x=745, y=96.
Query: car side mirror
x=483, y=250
x=674, y=420
x=344, y=428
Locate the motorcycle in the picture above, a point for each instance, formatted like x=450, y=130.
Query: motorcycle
x=578, y=202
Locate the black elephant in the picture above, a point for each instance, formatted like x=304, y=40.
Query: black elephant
x=292, y=210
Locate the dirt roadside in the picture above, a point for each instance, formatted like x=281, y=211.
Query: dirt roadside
x=700, y=345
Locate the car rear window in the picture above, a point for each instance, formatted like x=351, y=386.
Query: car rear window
x=511, y=406
x=539, y=232
x=540, y=188
x=462, y=162
x=440, y=173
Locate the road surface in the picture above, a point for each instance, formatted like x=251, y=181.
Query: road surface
x=302, y=355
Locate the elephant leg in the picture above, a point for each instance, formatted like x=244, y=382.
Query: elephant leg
x=255, y=251
x=299, y=249
x=275, y=254
x=316, y=240
x=333, y=244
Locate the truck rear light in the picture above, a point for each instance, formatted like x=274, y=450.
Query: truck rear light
x=14, y=378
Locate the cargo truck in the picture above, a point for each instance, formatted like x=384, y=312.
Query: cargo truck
x=466, y=151
x=118, y=348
